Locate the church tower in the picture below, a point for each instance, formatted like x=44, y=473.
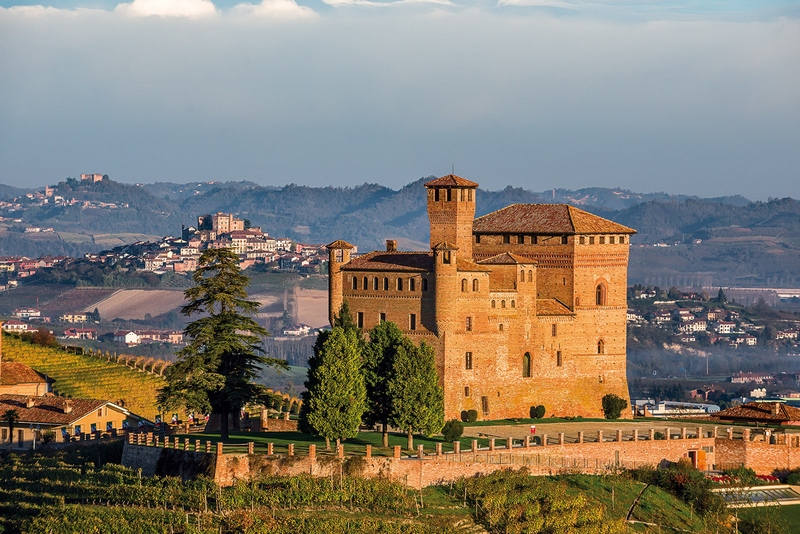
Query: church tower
x=451, y=210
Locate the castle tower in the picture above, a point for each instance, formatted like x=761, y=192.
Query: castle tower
x=451, y=210
x=445, y=271
x=338, y=255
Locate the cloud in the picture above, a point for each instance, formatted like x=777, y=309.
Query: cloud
x=274, y=9
x=373, y=3
x=168, y=8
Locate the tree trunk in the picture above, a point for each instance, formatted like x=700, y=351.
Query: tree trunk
x=327, y=444
x=223, y=425
x=385, y=437
x=338, y=442
x=410, y=440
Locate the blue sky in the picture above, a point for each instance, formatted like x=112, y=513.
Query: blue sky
x=694, y=97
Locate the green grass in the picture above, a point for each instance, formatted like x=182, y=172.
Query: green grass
x=543, y=420
x=352, y=446
x=789, y=514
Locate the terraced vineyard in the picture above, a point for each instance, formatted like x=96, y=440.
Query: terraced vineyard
x=85, y=376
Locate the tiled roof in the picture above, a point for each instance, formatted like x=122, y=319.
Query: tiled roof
x=470, y=266
x=392, y=261
x=339, y=244
x=546, y=219
x=506, y=258
x=551, y=307
x=450, y=180
x=12, y=373
x=760, y=411
x=48, y=410
x=444, y=245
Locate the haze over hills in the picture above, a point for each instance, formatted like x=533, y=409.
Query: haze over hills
x=742, y=242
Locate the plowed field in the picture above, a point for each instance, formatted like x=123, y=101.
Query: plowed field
x=136, y=303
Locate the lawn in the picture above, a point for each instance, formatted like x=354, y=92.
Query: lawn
x=790, y=515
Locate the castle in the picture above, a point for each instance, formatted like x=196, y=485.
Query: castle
x=523, y=306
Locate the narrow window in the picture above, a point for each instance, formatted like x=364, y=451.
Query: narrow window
x=366, y=283
x=469, y=324
x=468, y=360
x=446, y=256
x=477, y=238
x=513, y=303
x=534, y=240
x=485, y=405
x=412, y=284
x=564, y=240
x=494, y=304
x=502, y=304
x=360, y=319
x=611, y=239
x=526, y=365
x=582, y=240
x=564, y=281
x=475, y=285
x=449, y=195
x=530, y=276
x=436, y=195
x=591, y=240
x=622, y=240
x=383, y=317
x=520, y=239
x=600, y=295
x=469, y=194
x=466, y=391
x=601, y=347
x=501, y=328
x=464, y=284
x=355, y=283
x=424, y=284
x=555, y=330
x=506, y=239
x=399, y=284
x=559, y=361
x=385, y=284
x=375, y=283
x=522, y=276
x=577, y=301
x=461, y=195
x=412, y=321
x=602, y=240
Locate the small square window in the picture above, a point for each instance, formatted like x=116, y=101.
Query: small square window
x=591, y=240
x=468, y=361
x=466, y=391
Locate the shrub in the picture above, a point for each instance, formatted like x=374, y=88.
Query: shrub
x=472, y=416
x=453, y=429
x=793, y=477
x=613, y=406
x=537, y=412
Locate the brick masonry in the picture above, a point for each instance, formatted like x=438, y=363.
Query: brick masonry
x=526, y=347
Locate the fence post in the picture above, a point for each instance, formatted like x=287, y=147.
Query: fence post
x=312, y=451
x=699, y=432
x=619, y=435
x=746, y=434
x=340, y=451
x=683, y=432
x=250, y=447
x=491, y=444
x=666, y=434
x=177, y=443
x=438, y=449
x=652, y=434
x=270, y=449
x=580, y=436
x=420, y=451
x=197, y=445
x=635, y=434
x=730, y=433
x=474, y=445
x=290, y=449
x=186, y=442
x=219, y=448
x=544, y=440
x=456, y=447
x=716, y=432
x=509, y=443
x=208, y=447
x=368, y=451
x=599, y=436
x=560, y=438
x=396, y=451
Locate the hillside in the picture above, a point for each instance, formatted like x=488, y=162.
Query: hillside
x=85, y=376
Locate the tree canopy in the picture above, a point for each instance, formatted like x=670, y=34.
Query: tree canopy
x=215, y=371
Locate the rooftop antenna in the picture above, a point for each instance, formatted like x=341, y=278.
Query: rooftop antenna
x=453, y=171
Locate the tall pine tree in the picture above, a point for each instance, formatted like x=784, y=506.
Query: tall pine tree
x=379, y=355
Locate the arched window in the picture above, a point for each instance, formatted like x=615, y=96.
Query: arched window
x=522, y=276
x=385, y=284
x=466, y=391
x=530, y=276
x=424, y=284
x=513, y=303
x=355, y=283
x=475, y=284
x=600, y=295
x=601, y=347
x=501, y=328
x=502, y=304
x=399, y=284
x=375, y=283
x=411, y=284
x=577, y=301
x=366, y=283
x=494, y=304
x=464, y=284
x=526, y=365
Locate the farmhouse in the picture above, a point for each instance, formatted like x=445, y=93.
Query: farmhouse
x=523, y=306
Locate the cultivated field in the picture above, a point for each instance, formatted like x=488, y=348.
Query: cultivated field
x=136, y=303
x=312, y=307
x=76, y=299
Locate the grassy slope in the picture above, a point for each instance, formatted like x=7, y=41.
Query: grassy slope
x=88, y=377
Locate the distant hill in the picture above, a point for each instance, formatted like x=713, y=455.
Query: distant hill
x=743, y=242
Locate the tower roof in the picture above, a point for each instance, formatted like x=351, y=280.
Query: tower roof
x=507, y=258
x=451, y=180
x=339, y=243
x=391, y=261
x=546, y=219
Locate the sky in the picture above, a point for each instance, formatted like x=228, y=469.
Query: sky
x=696, y=97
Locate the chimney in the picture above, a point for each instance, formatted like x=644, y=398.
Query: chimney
x=391, y=245
x=67, y=406
x=30, y=402
x=776, y=408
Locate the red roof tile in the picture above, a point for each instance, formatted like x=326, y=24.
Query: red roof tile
x=339, y=244
x=392, y=261
x=551, y=307
x=546, y=219
x=12, y=373
x=450, y=180
x=470, y=266
x=760, y=411
x=507, y=258
x=49, y=410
